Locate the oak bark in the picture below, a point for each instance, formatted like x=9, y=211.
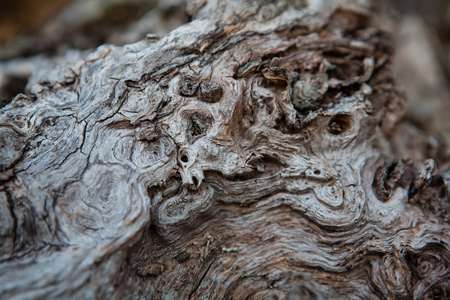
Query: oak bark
x=258, y=151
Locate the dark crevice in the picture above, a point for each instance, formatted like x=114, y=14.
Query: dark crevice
x=283, y=126
x=195, y=180
x=387, y=178
x=261, y=167
x=195, y=129
x=201, y=280
x=13, y=214
x=339, y=124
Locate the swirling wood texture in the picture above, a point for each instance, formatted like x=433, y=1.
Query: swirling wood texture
x=255, y=152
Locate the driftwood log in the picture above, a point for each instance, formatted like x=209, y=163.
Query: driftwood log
x=257, y=152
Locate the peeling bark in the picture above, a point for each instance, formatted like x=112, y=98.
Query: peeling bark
x=255, y=152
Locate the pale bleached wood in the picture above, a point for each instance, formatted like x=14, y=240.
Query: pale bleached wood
x=254, y=152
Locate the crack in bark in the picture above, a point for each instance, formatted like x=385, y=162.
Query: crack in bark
x=201, y=280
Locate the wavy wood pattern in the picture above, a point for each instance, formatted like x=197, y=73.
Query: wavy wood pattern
x=254, y=152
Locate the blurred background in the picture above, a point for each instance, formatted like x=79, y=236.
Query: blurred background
x=28, y=27
x=31, y=31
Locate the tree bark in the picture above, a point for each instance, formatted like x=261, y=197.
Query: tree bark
x=255, y=152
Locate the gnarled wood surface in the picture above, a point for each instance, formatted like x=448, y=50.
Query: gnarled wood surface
x=254, y=152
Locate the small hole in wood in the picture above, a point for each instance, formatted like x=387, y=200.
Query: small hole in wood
x=195, y=129
x=195, y=180
x=438, y=293
x=339, y=124
x=317, y=172
x=183, y=256
x=184, y=158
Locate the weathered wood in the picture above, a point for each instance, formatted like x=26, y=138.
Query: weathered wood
x=254, y=152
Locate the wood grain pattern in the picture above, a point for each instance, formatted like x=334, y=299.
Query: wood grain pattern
x=254, y=152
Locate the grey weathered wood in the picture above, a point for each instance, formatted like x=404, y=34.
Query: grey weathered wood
x=254, y=152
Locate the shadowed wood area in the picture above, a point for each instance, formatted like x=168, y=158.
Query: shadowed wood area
x=257, y=152
x=25, y=16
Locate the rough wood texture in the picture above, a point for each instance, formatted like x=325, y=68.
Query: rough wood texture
x=255, y=152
